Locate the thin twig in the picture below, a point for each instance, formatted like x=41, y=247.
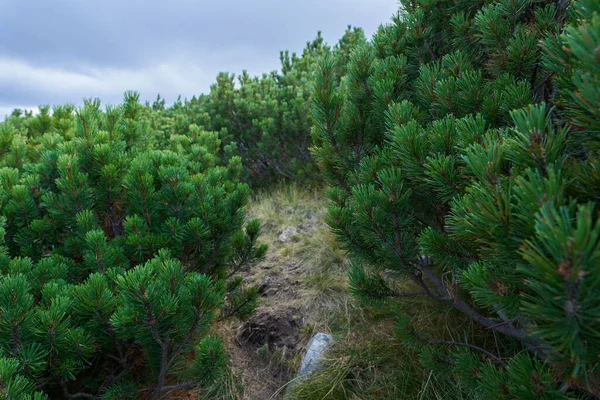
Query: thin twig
x=461, y=344
x=397, y=294
x=80, y=395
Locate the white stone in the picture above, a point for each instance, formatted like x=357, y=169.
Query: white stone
x=287, y=234
x=317, y=347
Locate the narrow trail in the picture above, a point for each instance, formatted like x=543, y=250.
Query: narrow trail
x=266, y=350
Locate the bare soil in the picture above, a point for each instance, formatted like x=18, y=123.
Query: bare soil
x=266, y=350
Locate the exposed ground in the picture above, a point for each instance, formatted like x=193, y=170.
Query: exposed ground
x=267, y=349
x=304, y=289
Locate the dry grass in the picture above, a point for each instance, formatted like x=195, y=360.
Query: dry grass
x=263, y=371
x=367, y=361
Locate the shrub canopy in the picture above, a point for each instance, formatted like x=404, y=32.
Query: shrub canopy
x=116, y=249
x=461, y=150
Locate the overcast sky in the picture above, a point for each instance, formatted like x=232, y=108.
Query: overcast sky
x=53, y=52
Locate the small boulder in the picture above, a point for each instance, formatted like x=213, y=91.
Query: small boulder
x=310, y=215
x=315, y=353
x=264, y=285
x=287, y=234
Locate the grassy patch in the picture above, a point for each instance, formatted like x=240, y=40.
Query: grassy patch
x=367, y=361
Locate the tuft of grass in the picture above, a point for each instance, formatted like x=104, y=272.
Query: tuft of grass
x=274, y=358
x=229, y=387
x=285, y=205
x=367, y=362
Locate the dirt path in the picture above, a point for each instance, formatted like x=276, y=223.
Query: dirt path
x=266, y=350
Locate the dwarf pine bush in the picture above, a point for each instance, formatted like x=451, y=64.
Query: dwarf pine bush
x=266, y=119
x=462, y=152
x=116, y=252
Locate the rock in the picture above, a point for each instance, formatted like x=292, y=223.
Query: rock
x=311, y=215
x=270, y=292
x=310, y=220
x=264, y=285
x=317, y=347
x=287, y=234
x=270, y=328
x=267, y=227
x=293, y=267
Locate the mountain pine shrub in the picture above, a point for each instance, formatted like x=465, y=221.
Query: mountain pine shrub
x=116, y=255
x=462, y=152
x=265, y=119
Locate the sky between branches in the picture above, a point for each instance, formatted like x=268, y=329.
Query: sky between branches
x=54, y=52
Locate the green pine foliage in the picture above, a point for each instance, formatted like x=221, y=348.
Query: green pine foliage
x=461, y=148
x=266, y=119
x=462, y=152
x=118, y=244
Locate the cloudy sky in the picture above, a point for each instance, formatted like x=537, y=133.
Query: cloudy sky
x=60, y=51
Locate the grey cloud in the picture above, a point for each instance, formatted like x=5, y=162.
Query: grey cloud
x=64, y=50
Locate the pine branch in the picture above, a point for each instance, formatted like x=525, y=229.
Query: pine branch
x=164, y=365
x=413, y=294
x=213, y=257
x=80, y=395
x=114, y=379
x=235, y=310
x=460, y=344
x=181, y=386
x=171, y=388
x=447, y=296
x=185, y=341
